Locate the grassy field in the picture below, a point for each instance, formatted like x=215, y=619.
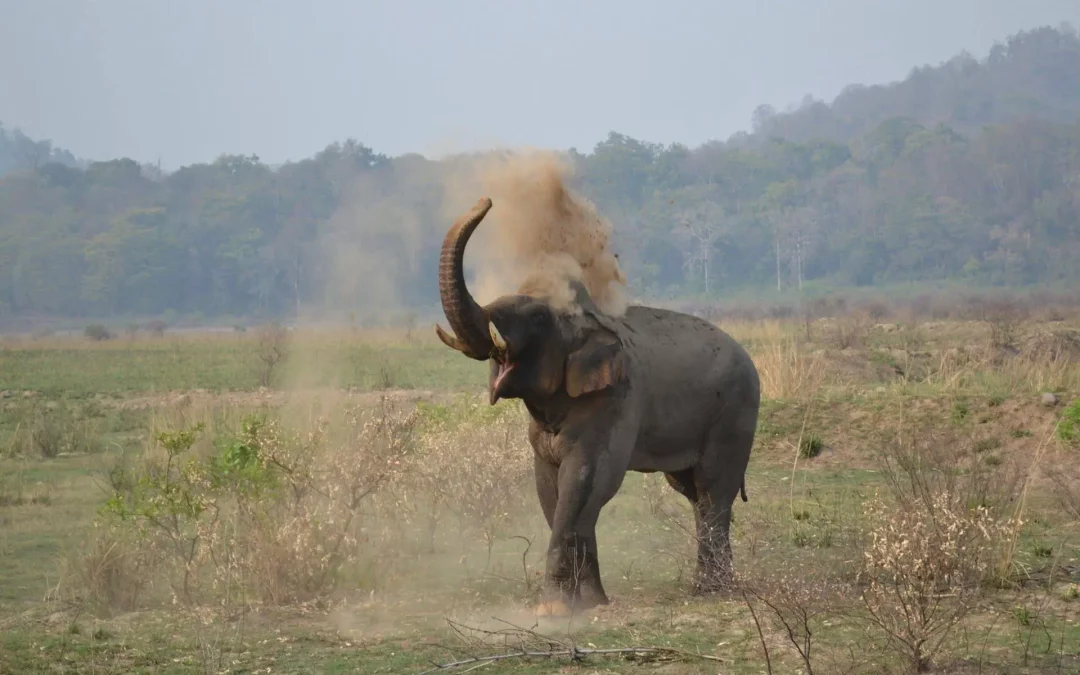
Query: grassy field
x=343, y=502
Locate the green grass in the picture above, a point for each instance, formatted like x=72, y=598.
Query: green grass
x=222, y=365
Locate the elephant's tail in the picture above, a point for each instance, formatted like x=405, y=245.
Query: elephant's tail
x=742, y=490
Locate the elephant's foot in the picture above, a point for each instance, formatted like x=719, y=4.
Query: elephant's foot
x=564, y=604
x=553, y=608
x=589, y=597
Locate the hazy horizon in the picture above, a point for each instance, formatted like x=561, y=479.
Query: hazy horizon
x=186, y=83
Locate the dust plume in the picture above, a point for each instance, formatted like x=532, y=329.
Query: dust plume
x=539, y=235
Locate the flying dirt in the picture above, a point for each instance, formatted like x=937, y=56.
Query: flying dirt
x=542, y=236
x=609, y=388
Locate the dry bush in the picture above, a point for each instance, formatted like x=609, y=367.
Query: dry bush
x=924, y=571
x=1002, y=314
x=303, y=534
x=848, y=330
x=795, y=605
x=273, y=348
x=933, y=544
x=53, y=430
x=111, y=572
x=1052, y=347
x=476, y=464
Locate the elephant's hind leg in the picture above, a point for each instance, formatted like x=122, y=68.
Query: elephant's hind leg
x=718, y=479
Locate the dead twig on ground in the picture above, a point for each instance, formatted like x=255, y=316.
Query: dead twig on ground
x=534, y=645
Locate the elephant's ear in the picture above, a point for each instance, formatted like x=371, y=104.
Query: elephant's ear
x=598, y=364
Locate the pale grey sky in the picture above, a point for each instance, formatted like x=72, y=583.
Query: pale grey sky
x=186, y=80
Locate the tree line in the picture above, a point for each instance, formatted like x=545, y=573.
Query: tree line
x=968, y=171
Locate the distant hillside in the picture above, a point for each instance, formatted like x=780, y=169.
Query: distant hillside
x=18, y=151
x=1034, y=74
x=965, y=173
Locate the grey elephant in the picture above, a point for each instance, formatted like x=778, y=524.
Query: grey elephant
x=652, y=390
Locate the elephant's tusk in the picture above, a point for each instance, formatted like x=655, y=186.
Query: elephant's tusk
x=449, y=340
x=496, y=337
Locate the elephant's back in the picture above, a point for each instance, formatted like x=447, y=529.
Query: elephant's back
x=681, y=348
x=677, y=330
x=659, y=319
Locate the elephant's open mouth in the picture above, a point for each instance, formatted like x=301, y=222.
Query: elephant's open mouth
x=505, y=366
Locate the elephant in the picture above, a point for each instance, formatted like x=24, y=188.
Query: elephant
x=650, y=390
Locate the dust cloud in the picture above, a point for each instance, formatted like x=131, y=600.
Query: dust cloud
x=369, y=255
x=379, y=249
x=539, y=235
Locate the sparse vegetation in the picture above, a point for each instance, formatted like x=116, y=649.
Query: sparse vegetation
x=272, y=350
x=357, y=501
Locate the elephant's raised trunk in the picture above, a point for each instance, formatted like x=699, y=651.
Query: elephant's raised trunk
x=467, y=318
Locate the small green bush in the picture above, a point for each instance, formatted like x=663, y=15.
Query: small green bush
x=810, y=447
x=960, y=411
x=1069, y=428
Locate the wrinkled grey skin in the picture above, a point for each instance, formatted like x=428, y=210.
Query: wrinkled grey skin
x=653, y=390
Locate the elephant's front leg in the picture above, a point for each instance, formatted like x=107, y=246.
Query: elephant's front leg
x=572, y=580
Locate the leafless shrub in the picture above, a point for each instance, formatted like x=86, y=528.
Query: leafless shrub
x=932, y=546
x=273, y=348
x=657, y=492
x=796, y=606
x=1004, y=319
x=110, y=572
x=305, y=537
x=1002, y=314
x=924, y=570
x=849, y=330
x=476, y=465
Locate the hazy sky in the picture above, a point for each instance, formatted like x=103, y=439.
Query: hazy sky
x=186, y=80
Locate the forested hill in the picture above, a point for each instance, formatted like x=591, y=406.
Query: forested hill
x=906, y=195
x=1032, y=74
x=18, y=151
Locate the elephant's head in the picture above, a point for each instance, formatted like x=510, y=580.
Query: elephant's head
x=537, y=351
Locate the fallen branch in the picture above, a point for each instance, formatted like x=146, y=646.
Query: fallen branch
x=532, y=643
x=574, y=654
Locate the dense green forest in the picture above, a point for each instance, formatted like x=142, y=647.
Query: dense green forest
x=967, y=172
